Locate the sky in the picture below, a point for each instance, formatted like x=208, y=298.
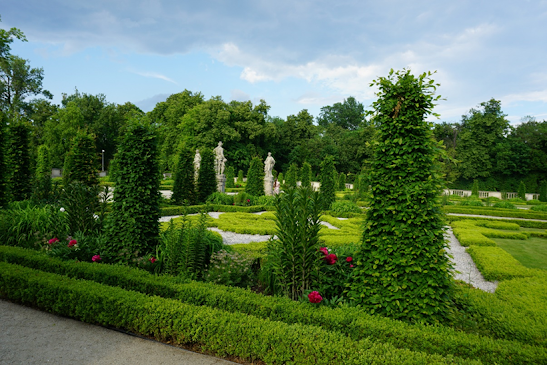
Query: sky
x=295, y=55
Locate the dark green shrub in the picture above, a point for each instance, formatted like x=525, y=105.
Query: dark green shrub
x=475, y=188
x=220, y=199
x=240, y=177
x=328, y=185
x=539, y=208
x=504, y=204
x=543, y=191
x=230, y=175
x=522, y=191
x=294, y=256
x=207, y=181
x=281, y=178
x=81, y=161
x=79, y=247
x=4, y=176
x=245, y=199
x=42, y=176
x=80, y=203
x=230, y=268
x=255, y=178
x=345, y=206
x=305, y=173
x=20, y=183
x=342, y=182
x=402, y=267
x=184, y=186
x=292, y=176
x=334, y=275
x=472, y=201
x=534, y=202
x=133, y=221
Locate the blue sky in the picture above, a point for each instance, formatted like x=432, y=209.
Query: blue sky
x=293, y=54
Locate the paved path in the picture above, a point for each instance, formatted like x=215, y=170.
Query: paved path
x=29, y=336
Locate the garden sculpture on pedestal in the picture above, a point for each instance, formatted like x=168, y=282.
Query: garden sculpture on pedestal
x=268, y=176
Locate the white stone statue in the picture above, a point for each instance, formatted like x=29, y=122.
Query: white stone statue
x=220, y=160
x=268, y=165
x=197, y=163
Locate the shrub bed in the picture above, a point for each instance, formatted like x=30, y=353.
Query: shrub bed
x=218, y=331
x=522, y=223
x=496, y=264
x=499, y=212
x=192, y=209
x=350, y=321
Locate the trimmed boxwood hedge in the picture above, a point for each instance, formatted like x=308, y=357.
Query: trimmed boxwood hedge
x=352, y=322
x=499, y=212
x=522, y=223
x=223, y=333
x=496, y=264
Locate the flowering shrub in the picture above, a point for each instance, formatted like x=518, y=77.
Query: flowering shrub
x=152, y=259
x=96, y=258
x=72, y=243
x=53, y=240
x=230, y=268
x=335, y=273
x=79, y=248
x=315, y=297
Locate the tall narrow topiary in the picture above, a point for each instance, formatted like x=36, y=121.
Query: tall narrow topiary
x=280, y=178
x=20, y=182
x=184, y=187
x=543, y=191
x=305, y=173
x=522, y=191
x=342, y=182
x=207, y=183
x=3, y=160
x=291, y=176
x=328, y=185
x=134, y=228
x=475, y=188
x=230, y=175
x=402, y=267
x=255, y=178
x=81, y=161
x=240, y=177
x=42, y=176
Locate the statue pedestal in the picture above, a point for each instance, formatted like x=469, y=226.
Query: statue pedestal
x=221, y=183
x=268, y=185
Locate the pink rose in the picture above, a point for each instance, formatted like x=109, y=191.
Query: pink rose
x=331, y=259
x=53, y=240
x=96, y=258
x=315, y=297
x=72, y=243
x=349, y=259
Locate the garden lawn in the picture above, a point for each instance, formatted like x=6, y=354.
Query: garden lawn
x=531, y=253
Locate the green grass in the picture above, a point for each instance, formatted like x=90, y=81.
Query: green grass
x=531, y=253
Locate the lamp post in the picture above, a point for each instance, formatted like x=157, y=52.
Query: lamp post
x=103, y=159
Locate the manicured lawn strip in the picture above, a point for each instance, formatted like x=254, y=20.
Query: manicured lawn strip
x=496, y=264
x=498, y=212
x=221, y=332
x=531, y=253
x=349, y=321
x=522, y=223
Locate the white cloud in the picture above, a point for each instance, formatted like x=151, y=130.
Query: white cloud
x=239, y=95
x=154, y=75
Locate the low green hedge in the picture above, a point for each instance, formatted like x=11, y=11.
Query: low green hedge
x=498, y=212
x=522, y=223
x=496, y=264
x=480, y=228
x=192, y=209
x=223, y=333
x=352, y=322
x=468, y=238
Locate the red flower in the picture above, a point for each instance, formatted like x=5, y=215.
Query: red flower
x=152, y=259
x=315, y=297
x=324, y=250
x=72, y=243
x=248, y=200
x=331, y=259
x=349, y=259
x=53, y=240
x=350, y=265
x=96, y=258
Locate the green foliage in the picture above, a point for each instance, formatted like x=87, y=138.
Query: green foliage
x=83, y=250
x=255, y=178
x=522, y=191
x=230, y=175
x=345, y=206
x=218, y=198
x=539, y=208
x=80, y=202
x=184, y=187
x=543, y=191
x=342, y=182
x=281, y=178
x=295, y=254
x=494, y=263
x=292, y=176
x=328, y=185
x=504, y=204
x=133, y=221
x=230, y=268
x=475, y=189
x=4, y=176
x=305, y=173
x=335, y=276
x=534, y=202
x=352, y=322
x=187, y=249
x=240, y=177
x=402, y=268
x=42, y=180
x=207, y=181
x=81, y=162
x=20, y=182
x=472, y=201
